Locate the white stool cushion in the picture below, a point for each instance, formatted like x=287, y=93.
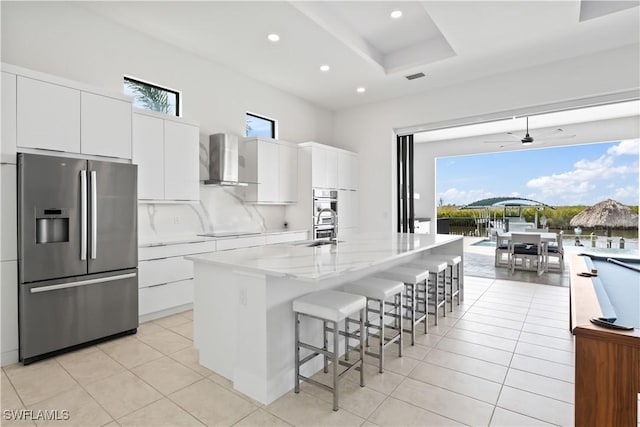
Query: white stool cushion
x=405, y=273
x=433, y=265
x=329, y=305
x=375, y=287
x=450, y=259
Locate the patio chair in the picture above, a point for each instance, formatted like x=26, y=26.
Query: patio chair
x=528, y=249
x=502, y=248
x=556, y=251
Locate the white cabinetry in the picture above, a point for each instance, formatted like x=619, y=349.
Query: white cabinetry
x=8, y=118
x=9, y=307
x=326, y=167
x=105, y=126
x=148, y=154
x=181, y=161
x=48, y=116
x=52, y=113
x=8, y=265
x=166, y=152
x=166, y=278
x=347, y=171
x=271, y=168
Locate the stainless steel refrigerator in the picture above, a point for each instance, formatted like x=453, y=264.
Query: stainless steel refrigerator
x=78, y=252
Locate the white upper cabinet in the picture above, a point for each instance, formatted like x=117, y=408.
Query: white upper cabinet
x=105, y=126
x=181, y=161
x=347, y=171
x=48, y=116
x=51, y=113
x=319, y=167
x=271, y=168
x=8, y=118
x=148, y=154
x=167, y=154
x=324, y=167
x=288, y=169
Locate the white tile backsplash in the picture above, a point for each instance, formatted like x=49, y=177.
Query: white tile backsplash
x=220, y=209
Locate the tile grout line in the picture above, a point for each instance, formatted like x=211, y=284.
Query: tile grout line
x=508, y=368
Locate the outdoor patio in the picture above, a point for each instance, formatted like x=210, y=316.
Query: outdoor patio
x=479, y=262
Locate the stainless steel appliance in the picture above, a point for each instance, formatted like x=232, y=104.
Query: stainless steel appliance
x=325, y=214
x=78, y=252
x=224, y=160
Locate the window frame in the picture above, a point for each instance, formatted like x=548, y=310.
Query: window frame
x=274, y=123
x=177, y=93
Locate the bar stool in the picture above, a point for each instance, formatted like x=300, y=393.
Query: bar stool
x=437, y=270
x=415, y=282
x=453, y=261
x=328, y=306
x=381, y=291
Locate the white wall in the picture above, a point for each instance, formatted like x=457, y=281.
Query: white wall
x=368, y=130
x=69, y=41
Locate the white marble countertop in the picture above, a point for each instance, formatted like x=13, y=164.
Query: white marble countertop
x=176, y=239
x=296, y=260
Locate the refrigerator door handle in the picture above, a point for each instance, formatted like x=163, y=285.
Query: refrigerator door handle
x=94, y=214
x=81, y=283
x=83, y=214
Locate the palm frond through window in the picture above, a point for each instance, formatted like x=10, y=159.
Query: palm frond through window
x=152, y=97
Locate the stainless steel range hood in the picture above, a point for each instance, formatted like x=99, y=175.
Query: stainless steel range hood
x=224, y=160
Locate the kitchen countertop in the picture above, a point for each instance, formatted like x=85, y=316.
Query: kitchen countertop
x=296, y=260
x=195, y=238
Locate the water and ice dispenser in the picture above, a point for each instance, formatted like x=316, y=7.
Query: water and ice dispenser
x=52, y=225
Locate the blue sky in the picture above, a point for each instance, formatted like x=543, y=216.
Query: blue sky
x=560, y=176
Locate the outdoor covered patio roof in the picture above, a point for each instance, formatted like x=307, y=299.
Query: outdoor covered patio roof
x=505, y=201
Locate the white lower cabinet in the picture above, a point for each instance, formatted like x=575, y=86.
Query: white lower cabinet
x=159, y=298
x=165, y=278
x=9, y=306
x=240, y=242
x=286, y=237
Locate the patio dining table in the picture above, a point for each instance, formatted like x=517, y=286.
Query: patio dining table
x=545, y=237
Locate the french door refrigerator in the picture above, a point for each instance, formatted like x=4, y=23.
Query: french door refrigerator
x=78, y=252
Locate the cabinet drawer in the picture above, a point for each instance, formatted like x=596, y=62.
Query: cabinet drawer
x=240, y=242
x=286, y=237
x=181, y=249
x=163, y=297
x=157, y=271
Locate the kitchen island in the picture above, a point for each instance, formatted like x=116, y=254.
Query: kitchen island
x=243, y=320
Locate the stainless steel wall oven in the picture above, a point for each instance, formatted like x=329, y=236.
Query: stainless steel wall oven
x=325, y=214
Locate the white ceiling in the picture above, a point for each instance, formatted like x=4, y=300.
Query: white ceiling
x=450, y=41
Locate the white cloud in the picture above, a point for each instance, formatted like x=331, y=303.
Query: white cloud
x=628, y=192
x=586, y=173
x=628, y=146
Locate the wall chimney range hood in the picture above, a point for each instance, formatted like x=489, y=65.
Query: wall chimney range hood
x=223, y=160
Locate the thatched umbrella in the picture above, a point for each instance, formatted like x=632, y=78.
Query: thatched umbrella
x=608, y=214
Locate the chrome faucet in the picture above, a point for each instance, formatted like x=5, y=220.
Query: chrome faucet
x=334, y=218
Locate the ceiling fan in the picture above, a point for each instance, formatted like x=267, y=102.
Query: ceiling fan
x=528, y=139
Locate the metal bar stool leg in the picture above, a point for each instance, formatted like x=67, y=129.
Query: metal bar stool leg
x=336, y=352
x=325, y=346
x=297, y=361
x=363, y=314
x=382, y=335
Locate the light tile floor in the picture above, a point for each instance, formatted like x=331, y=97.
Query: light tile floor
x=503, y=358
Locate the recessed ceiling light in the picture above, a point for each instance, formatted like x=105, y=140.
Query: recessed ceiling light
x=396, y=14
x=273, y=37
x=325, y=68
x=361, y=90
